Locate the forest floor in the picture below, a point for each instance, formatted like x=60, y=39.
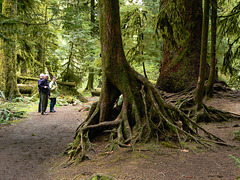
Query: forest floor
x=32, y=149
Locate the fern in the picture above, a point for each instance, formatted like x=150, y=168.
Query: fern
x=237, y=160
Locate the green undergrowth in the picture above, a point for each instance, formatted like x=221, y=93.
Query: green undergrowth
x=16, y=108
x=101, y=177
x=67, y=100
x=237, y=135
x=237, y=160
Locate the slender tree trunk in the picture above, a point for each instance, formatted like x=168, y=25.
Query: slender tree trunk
x=43, y=56
x=144, y=70
x=93, y=16
x=199, y=94
x=91, y=70
x=180, y=24
x=39, y=57
x=90, y=80
x=11, y=89
x=212, y=76
x=67, y=74
x=2, y=79
x=44, y=46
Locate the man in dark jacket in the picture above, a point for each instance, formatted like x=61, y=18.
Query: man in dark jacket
x=40, y=93
x=45, y=91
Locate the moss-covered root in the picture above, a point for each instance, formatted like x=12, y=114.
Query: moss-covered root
x=206, y=113
x=133, y=123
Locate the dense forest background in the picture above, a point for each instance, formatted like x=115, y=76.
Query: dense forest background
x=154, y=64
x=61, y=38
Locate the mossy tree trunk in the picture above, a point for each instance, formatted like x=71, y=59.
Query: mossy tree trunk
x=180, y=24
x=142, y=115
x=1, y=60
x=2, y=79
x=39, y=58
x=199, y=94
x=11, y=90
x=212, y=75
x=90, y=80
x=91, y=70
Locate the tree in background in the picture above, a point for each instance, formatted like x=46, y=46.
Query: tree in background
x=137, y=24
x=179, y=23
x=93, y=34
x=228, y=40
x=212, y=75
x=9, y=9
x=203, y=61
x=81, y=41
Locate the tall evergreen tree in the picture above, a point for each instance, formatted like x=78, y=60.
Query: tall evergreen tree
x=212, y=75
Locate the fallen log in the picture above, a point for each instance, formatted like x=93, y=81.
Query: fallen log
x=26, y=78
x=95, y=93
x=25, y=88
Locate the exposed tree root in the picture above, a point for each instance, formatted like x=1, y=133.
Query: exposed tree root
x=184, y=101
x=142, y=116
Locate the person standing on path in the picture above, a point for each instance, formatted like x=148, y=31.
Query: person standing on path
x=40, y=93
x=44, y=86
x=53, y=90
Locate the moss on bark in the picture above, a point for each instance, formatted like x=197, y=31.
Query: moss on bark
x=179, y=23
x=11, y=89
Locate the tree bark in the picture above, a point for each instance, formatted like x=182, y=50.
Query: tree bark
x=90, y=81
x=199, y=94
x=11, y=90
x=180, y=24
x=211, y=79
x=2, y=79
x=91, y=70
x=142, y=115
x=39, y=58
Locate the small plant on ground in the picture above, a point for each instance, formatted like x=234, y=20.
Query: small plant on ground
x=237, y=160
x=6, y=115
x=237, y=135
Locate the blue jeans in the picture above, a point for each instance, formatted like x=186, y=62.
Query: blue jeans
x=40, y=102
x=52, y=104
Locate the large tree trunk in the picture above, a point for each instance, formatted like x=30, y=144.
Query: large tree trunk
x=199, y=94
x=212, y=75
x=180, y=24
x=11, y=90
x=142, y=115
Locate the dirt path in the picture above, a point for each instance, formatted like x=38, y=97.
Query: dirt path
x=31, y=149
x=26, y=145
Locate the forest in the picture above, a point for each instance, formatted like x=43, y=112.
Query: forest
x=141, y=83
